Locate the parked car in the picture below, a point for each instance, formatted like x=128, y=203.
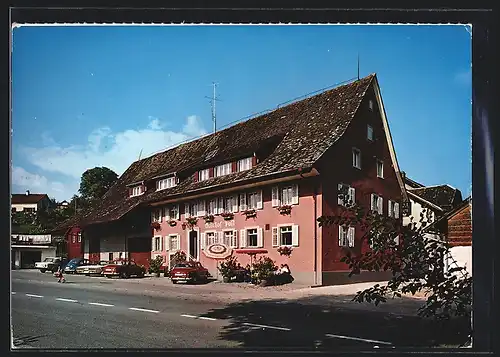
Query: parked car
x=123, y=268
x=192, y=272
x=50, y=264
x=74, y=263
x=92, y=269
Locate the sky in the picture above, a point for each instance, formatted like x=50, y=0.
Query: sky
x=106, y=95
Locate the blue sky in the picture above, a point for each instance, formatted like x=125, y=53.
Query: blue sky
x=97, y=96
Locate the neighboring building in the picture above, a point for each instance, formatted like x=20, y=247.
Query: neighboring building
x=302, y=155
x=63, y=204
x=27, y=249
x=29, y=202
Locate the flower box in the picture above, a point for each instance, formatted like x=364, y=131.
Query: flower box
x=285, y=250
x=156, y=226
x=227, y=216
x=209, y=218
x=191, y=221
x=249, y=213
x=172, y=223
x=285, y=209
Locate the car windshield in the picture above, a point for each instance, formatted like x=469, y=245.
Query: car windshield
x=74, y=261
x=49, y=260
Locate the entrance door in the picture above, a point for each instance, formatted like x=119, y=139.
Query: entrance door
x=193, y=244
x=29, y=258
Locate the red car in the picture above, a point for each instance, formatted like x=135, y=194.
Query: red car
x=123, y=268
x=192, y=272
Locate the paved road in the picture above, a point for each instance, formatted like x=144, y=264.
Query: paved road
x=96, y=313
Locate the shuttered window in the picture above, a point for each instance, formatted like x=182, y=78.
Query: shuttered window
x=157, y=243
x=288, y=195
x=286, y=235
x=204, y=174
x=252, y=237
x=212, y=207
x=346, y=236
x=245, y=164
x=136, y=191
x=174, y=212
x=376, y=203
x=210, y=238
x=222, y=170
x=165, y=183
x=346, y=195
x=200, y=208
x=380, y=169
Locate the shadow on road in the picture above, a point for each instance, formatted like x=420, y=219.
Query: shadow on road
x=310, y=323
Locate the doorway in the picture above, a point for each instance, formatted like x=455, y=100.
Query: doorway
x=193, y=244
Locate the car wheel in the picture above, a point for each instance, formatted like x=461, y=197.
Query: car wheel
x=174, y=281
x=42, y=270
x=123, y=275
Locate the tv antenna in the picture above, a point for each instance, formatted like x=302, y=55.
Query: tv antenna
x=213, y=99
x=358, y=66
x=140, y=153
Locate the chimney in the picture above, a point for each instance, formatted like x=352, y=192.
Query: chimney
x=27, y=192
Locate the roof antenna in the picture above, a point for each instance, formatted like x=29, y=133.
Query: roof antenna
x=140, y=153
x=212, y=102
x=358, y=66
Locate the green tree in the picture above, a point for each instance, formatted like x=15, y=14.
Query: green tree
x=94, y=184
x=415, y=260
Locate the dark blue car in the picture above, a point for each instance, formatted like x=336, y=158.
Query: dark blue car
x=74, y=263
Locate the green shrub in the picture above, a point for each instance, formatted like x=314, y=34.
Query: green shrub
x=155, y=264
x=263, y=269
x=228, y=266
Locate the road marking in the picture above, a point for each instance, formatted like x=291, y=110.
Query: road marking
x=139, y=309
x=266, y=326
x=99, y=304
x=200, y=317
x=13, y=293
x=357, y=339
x=67, y=300
x=33, y=295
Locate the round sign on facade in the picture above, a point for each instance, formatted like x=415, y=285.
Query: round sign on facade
x=217, y=251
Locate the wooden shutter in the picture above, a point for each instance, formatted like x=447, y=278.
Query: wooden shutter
x=234, y=167
x=153, y=244
x=341, y=236
x=350, y=236
x=275, y=237
x=295, y=235
x=389, y=208
x=243, y=201
x=254, y=161
x=352, y=195
x=177, y=212
x=243, y=238
x=275, y=196
x=166, y=213
x=195, y=177
x=396, y=211
x=203, y=242
x=143, y=188
x=235, y=203
x=295, y=194
x=260, y=237
x=201, y=208
x=380, y=207
x=260, y=203
x=167, y=243
x=340, y=199
x=372, y=206
x=234, y=240
x=220, y=205
x=186, y=210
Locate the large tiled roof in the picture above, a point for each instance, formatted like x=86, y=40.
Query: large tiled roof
x=21, y=198
x=443, y=196
x=300, y=132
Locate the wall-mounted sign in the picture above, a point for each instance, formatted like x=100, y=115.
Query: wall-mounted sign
x=217, y=251
x=221, y=224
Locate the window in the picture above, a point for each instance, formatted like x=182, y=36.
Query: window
x=136, y=191
x=222, y=170
x=204, y=175
x=252, y=237
x=369, y=133
x=211, y=238
x=110, y=257
x=165, y=183
x=286, y=235
x=230, y=239
x=29, y=209
x=174, y=242
x=376, y=203
x=346, y=195
x=79, y=237
x=370, y=104
x=356, y=158
x=157, y=244
x=14, y=210
x=346, y=236
x=73, y=238
x=380, y=168
x=245, y=164
x=252, y=200
x=212, y=207
x=156, y=215
x=285, y=195
x=174, y=212
x=393, y=209
x=230, y=204
x=190, y=209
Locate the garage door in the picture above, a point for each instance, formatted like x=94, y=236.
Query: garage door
x=29, y=258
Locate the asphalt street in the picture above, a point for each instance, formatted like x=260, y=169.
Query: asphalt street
x=94, y=313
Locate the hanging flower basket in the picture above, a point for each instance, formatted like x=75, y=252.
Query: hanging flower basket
x=285, y=209
x=156, y=226
x=209, y=218
x=191, y=222
x=183, y=225
x=285, y=251
x=227, y=216
x=249, y=213
x=172, y=223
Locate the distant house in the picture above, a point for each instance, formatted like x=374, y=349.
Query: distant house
x=62, y=204
x=27, y=249
x=29, y=202
x=257, y=186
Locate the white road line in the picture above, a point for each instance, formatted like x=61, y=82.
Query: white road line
x=139, y=309
x=191, y=316
x=13, y=293
x=99, y=304
x=35, y=296
x=357, y=339
x=266, y=326
x=200, y=317
x=67, y=300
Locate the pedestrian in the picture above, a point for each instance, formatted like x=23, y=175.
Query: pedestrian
x=60, y=275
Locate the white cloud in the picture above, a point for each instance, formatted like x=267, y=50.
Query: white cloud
x=23, y=180
x=103, y=148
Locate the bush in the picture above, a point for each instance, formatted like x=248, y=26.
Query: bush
x=228, y=266
x=178, y=257
x=263, y=268
x=155, y=264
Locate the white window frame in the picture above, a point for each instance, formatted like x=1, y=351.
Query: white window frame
x=252, y=196
x=345, y=233
x=244, y=164
x=165, y=183
x=248, y=239
x=79, y=237
x=136, y=191
x=175, y=237
x=393, y=209
x=233, y=200
x=369, y=132
x=158, y=243
x=280, y=235
x=351, y=193
x=356, y=151
x=277, y=195
x=156, y=215
x=222, y=170
x=203, y=174
x=276, y=235
x=215, y=237
x=381, y=163
x=379, y=207
x=174, y=209
x=211, y=206
x=371, y=104
x=233, y=242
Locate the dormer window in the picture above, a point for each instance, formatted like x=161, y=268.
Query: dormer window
x=204, y=174
x=136, y=191
x=165, y=183
x=244, y=164
x=224, y=169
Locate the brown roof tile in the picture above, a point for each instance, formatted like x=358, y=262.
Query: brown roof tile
x=443, y=196
x=301, y=132
x=21, y=198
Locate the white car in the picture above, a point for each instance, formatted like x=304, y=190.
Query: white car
x=94, y=269
x=50, y=264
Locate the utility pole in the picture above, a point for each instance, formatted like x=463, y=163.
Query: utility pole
x=213, y=99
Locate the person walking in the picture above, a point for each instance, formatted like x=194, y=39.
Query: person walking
x=60, y=275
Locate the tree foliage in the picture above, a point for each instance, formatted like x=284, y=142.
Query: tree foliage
x=95, y=183
x=415, y=259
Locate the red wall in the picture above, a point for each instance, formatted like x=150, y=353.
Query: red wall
x=336, y=167
x=74, y=247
